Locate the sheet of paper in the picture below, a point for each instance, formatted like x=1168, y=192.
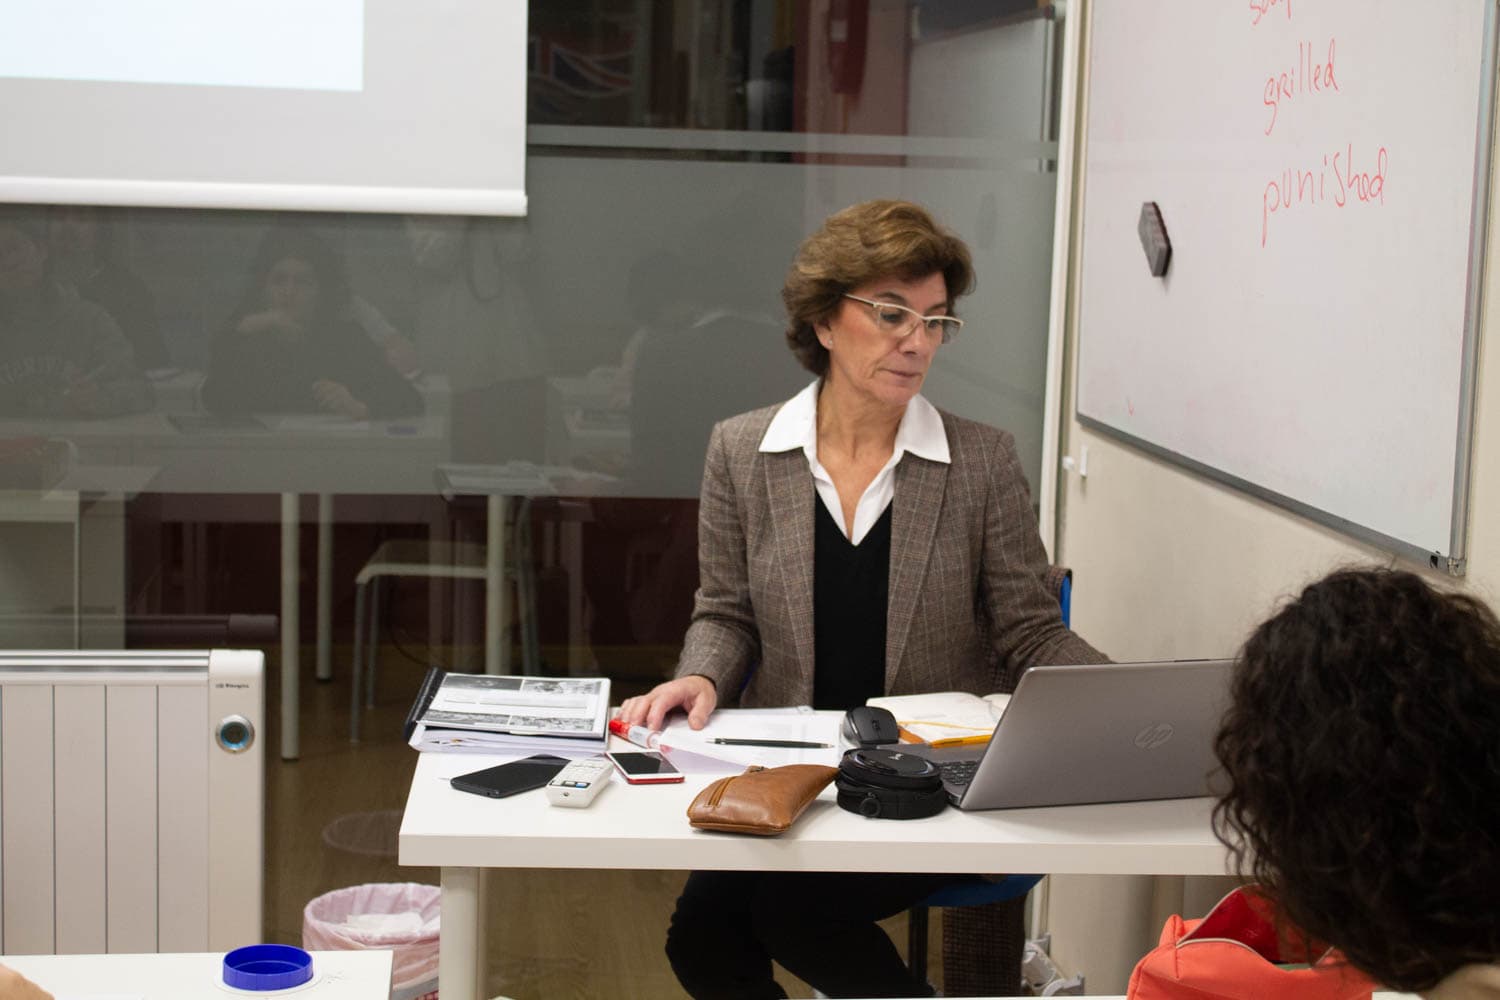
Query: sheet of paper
x=692, y=762
x=760, y=724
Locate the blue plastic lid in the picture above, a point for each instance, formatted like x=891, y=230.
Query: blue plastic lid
x=267, y=967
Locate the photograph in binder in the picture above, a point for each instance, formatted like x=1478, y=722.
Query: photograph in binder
x=487, y=712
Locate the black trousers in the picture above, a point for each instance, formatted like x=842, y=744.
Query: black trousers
x=730, y=926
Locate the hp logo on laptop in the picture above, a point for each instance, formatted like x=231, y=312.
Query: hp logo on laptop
x=1154, y=736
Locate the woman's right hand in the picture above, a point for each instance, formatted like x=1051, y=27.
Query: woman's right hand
x=694, y=694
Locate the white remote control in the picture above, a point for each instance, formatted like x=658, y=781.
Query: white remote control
x=576, y=785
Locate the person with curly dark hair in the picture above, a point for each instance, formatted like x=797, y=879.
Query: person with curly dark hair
x=1362, y=752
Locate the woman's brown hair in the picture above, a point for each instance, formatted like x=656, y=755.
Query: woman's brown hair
x=860, y=244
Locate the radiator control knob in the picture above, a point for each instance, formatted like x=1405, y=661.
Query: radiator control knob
x=235, y=733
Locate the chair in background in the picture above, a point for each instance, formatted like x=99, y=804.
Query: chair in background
x=984, y=930
x=433, y=561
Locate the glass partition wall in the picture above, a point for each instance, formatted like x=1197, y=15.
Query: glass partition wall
x=215, y=425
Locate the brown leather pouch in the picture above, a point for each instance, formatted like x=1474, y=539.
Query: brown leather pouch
x=762, y=801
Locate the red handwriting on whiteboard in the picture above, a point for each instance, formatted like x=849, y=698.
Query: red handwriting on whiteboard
x=1260, y=8
x=1337, y=182
x=1304, y=79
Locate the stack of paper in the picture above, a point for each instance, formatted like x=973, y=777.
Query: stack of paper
x=490, y=714
x=757, y=725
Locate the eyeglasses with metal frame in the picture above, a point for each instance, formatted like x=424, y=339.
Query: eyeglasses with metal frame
x=898, y=320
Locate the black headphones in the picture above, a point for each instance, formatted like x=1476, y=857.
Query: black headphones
x=890, y=784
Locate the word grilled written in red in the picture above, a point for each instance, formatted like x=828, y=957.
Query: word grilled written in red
x=1305, y=79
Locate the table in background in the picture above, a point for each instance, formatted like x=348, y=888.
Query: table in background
x=645, y=827
x=85, y=509
x=339, y=975
x=185, y=451
x=290, y=455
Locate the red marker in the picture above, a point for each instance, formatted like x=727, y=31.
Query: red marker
x=639, y=735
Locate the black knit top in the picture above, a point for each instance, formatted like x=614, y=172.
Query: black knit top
x=849, y=605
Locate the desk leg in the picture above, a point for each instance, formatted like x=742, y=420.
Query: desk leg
x=290, y=627
x=482, y=934
x=325, y=587
x=460, y=950
x=496, y=646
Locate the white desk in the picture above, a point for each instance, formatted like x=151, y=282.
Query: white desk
x=338, y=975
x=646, y=827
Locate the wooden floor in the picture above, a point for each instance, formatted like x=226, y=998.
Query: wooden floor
x=331, y=822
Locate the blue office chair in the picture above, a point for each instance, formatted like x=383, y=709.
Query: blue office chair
x=984, y=936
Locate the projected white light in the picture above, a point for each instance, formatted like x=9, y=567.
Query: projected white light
x=317, y=105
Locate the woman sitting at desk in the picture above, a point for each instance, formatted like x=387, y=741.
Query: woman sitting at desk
x=291, y=348
x=1362, y=747
x=854, y=541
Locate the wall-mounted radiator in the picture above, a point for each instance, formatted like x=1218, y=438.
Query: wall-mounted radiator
x=131, y=801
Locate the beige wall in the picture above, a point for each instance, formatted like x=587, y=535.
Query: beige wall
x=1170, y=564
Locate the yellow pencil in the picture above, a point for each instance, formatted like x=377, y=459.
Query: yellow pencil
x=934, y=722
x=946, y=741
x=954, y=741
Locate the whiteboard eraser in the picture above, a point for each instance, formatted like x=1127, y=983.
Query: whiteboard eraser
x=1153, y=233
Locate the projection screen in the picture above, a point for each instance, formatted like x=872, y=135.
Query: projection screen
x=329, y=105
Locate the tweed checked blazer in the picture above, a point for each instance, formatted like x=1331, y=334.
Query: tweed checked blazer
x=968, y=606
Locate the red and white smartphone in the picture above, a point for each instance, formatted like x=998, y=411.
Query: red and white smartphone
x=645, y=767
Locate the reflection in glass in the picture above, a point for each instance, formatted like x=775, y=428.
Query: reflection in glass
x=61, y=355
x=292, y=346
x=679, y=152
x=85, y=246
x=475, y=324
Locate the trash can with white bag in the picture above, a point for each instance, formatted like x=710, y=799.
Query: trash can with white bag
x=400, y=916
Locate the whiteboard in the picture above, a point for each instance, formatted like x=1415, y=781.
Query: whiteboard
x=1321, y=167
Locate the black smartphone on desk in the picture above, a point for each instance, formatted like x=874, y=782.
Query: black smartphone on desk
x=507, y=779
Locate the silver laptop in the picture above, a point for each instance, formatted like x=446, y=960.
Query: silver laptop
x=1114, y=732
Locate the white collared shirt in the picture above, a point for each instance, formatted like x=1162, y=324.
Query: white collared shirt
x=796, y=426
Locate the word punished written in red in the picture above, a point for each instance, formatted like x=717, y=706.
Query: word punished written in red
x=1337, y=182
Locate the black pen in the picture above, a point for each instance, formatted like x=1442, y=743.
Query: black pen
x=790, y=744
